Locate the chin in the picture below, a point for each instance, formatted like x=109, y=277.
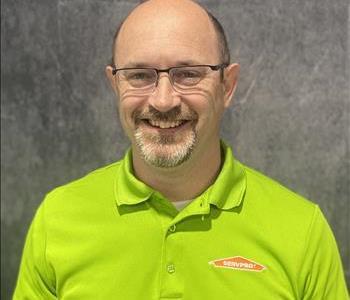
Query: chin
x=165, y=151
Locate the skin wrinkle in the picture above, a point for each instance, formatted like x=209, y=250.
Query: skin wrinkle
x=199, y=92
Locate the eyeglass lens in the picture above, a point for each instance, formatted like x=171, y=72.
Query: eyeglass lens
x=143, y=80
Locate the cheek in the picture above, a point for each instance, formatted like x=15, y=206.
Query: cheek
x=127, y=108
x=208, y=103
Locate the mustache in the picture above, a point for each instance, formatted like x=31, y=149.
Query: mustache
x=175, y=114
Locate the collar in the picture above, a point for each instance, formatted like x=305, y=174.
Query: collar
x=229, y=187
x=127, y=188
x=225, y=193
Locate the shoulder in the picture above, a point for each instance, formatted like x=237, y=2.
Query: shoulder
x=286, y=216
x=96, y=184
x=273, y=195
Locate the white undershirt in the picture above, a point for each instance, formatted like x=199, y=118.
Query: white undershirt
x=181, y=204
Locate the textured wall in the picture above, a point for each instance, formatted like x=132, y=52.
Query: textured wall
x=59, y=121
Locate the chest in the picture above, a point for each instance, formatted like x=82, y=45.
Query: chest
x=144, y=255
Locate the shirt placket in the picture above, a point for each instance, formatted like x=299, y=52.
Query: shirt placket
x=171, y=284
x=171, y=281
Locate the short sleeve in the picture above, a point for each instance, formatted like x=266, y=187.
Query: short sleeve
x=34, y=279
x=322, y=275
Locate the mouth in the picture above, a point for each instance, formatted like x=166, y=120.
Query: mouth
x=166, y=125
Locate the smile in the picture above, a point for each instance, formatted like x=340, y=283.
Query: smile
x=166, y=124
x=162, y=124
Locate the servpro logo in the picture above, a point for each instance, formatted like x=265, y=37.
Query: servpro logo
x=238, y=263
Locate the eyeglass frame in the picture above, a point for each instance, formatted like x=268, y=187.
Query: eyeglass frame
x=218, y=67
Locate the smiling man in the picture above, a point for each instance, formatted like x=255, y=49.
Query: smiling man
x=172, y=93
x=179, y=217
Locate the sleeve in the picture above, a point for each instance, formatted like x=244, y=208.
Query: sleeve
x=322, y=275
x=34, y=279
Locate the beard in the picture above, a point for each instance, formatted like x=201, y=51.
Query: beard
x=165, y=150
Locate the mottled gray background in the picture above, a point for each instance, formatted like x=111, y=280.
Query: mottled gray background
x=59, y=121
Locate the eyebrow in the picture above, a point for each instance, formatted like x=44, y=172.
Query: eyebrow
x=148, y=65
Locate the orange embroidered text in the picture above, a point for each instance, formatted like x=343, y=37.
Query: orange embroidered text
x=238, y=263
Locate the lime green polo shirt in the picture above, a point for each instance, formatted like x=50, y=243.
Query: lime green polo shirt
x=110, y=236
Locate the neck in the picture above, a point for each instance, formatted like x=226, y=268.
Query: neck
x=186, y=181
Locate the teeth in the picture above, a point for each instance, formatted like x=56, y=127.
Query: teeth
x=162, y=124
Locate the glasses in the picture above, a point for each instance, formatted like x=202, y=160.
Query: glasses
x=145, y=80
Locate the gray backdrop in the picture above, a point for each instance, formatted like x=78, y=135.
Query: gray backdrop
x=290, y=119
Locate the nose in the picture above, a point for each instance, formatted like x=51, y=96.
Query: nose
x=164, y=98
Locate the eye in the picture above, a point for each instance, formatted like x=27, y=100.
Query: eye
x=139, y=78
x=187, y=74
x=140, y=75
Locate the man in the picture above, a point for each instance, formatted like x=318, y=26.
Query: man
x=122, y=231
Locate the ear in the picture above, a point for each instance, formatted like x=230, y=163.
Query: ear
x=230, y=83
x=111, y=78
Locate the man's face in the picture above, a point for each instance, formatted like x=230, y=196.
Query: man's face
x=166, y=126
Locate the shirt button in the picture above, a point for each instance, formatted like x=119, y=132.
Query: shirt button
x=172, y=228
x=170, y=268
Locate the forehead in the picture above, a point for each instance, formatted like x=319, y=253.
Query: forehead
x=166, y=34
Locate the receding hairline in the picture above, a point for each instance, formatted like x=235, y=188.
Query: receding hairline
x=218, y=29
